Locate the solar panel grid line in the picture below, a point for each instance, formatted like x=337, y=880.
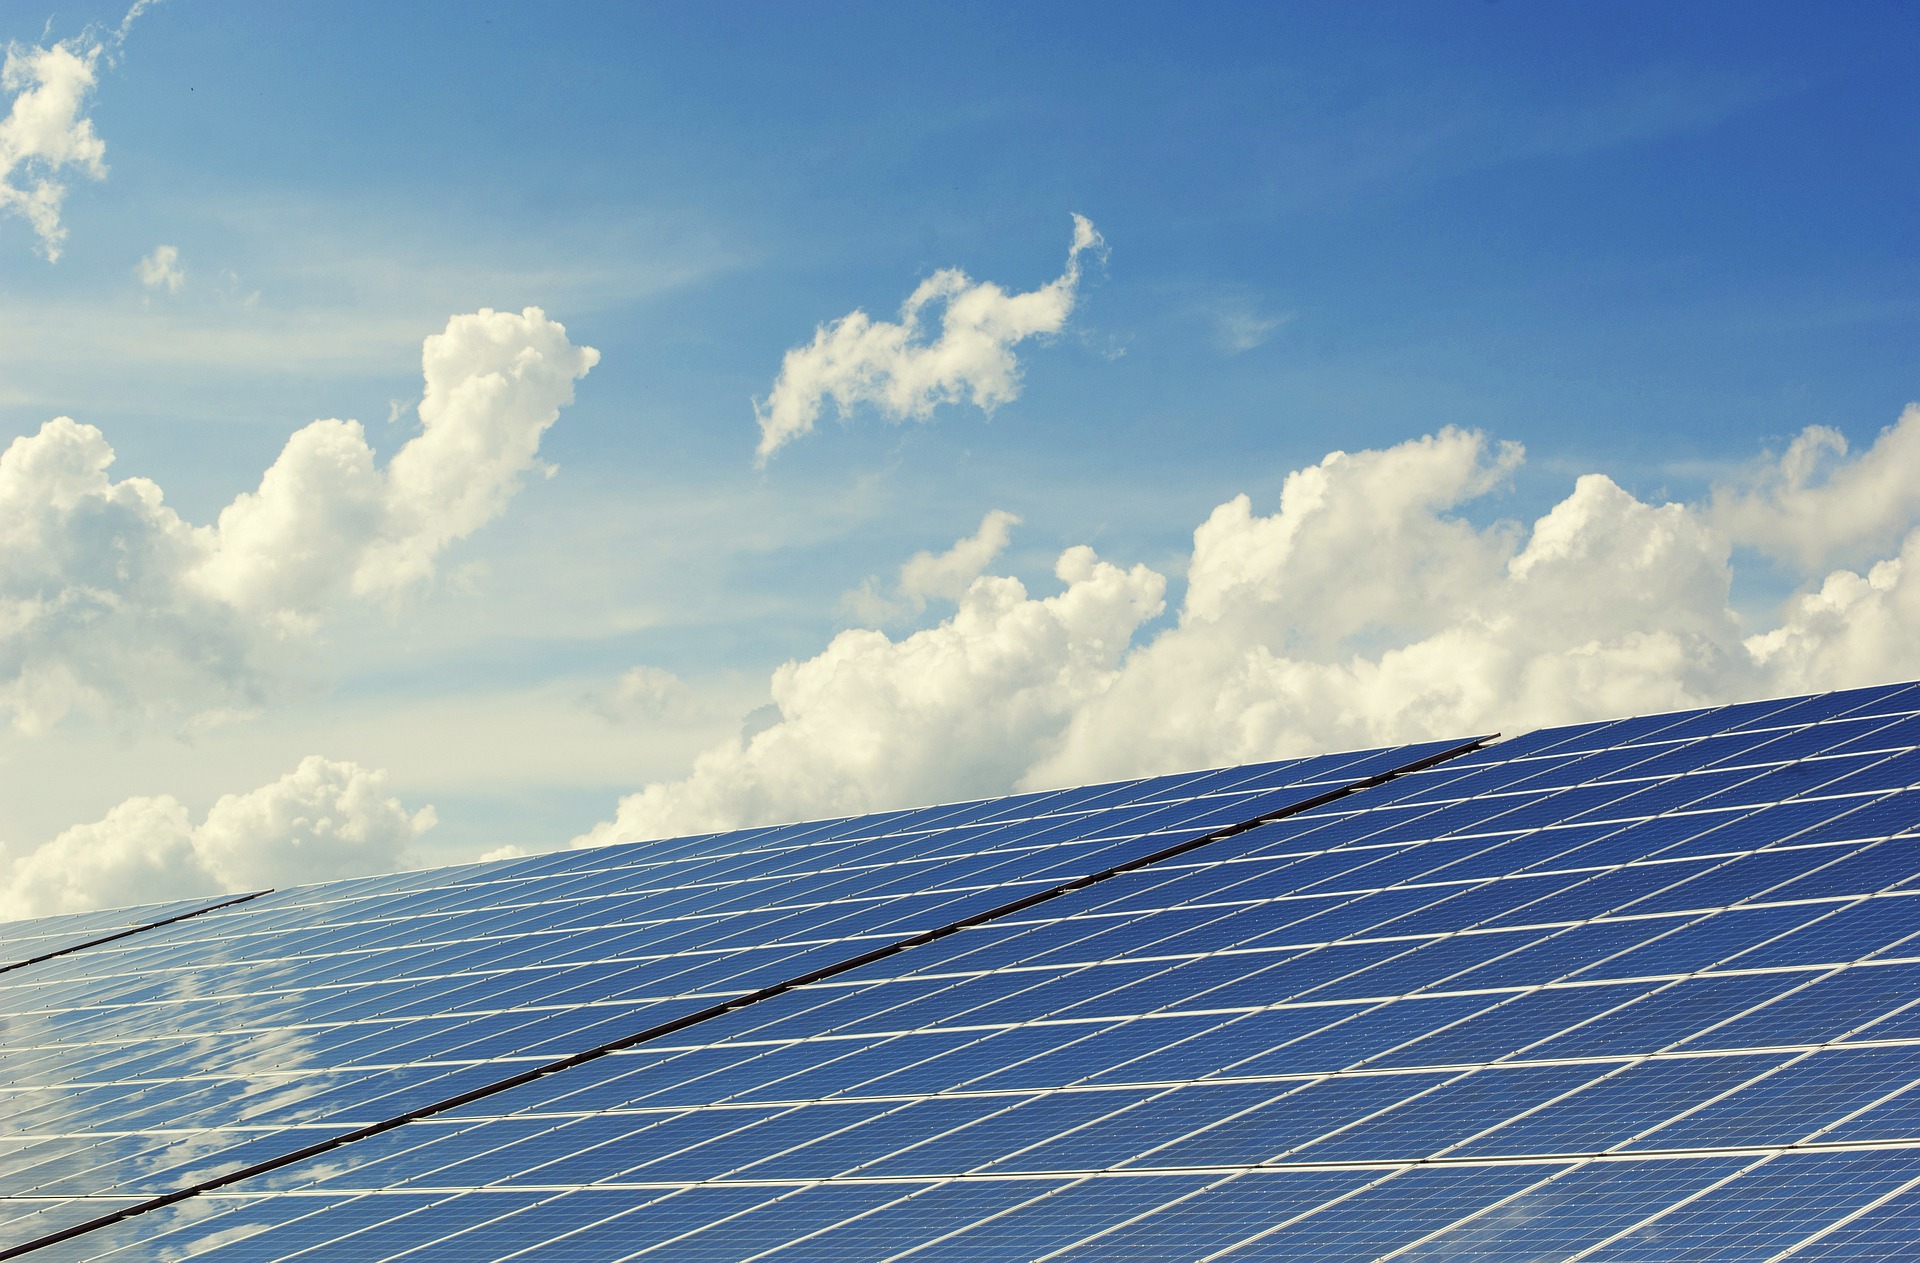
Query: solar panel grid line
x=1538, y=1107
x=1123, y=1224
x=1306, y=1140
x=1835, y=1040
x=1297, y=1079
x=475, y=1230
x=816, y=1233
x=1727, y=1093
x=1704, y=1191
x=1170, y=1227
x=677, y=1238
x=1841, y=1121
x=1402, y=1167
x=1292, y=1220
x=1542, y=987
x=1845, y=1221
x=1817, y=973
x=1435, y=755
x=1535, y=872
x=580, y=1230
x=1512, y=996
x=1410, y=938
x=942, y=1238
x=1681, y=1156
x=1490, y=1209
x=346, y=1237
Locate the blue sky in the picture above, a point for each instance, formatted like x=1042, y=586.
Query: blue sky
x=1647, y=241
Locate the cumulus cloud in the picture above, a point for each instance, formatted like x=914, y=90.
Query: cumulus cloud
x=1429, y=627
x=111, y=603
x=1812, y=506
x=935, y=576
x=322, y=820
x=46, y=133
x=893, y=365
x=1365, y=608
x=161, y=270
x=954, y=709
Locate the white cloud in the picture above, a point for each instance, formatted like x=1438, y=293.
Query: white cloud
x=321, y=820
x=1433, y=627
x=161, y=270
x=646, y=693
x=1365, y=609
x=1852, y=628
x=892, y=366
x=955, y=709
x=46, y=133
x=111, y=603
x=1813, y=507
x=929, y=576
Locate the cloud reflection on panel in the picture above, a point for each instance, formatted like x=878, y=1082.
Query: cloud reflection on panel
x=1364, y=609
x=113, y=606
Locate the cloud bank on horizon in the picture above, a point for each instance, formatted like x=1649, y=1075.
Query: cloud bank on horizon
x=1606, y=605
x=323, y=819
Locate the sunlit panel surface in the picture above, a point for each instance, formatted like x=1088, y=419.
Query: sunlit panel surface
x=1630, y=991
x=185, y=1052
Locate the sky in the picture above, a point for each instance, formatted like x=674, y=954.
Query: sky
x=441, y=430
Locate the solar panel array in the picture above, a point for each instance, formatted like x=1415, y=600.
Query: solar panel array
x=1640, y=990
x=158, y=1061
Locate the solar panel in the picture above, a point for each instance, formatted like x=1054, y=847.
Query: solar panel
x=207, y=1044
x=1648, y=989
x=24, y=943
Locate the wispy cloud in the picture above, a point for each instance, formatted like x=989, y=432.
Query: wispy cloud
x=161, y=269
x=1240, y=324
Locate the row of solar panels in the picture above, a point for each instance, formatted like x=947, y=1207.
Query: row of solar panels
x=1635, y=990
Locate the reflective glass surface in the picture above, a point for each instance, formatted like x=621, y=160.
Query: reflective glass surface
x=153, y=1061
x=1642, y=990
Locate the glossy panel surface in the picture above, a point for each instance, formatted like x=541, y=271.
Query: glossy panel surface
x=152, y=1062
x=1648, y=990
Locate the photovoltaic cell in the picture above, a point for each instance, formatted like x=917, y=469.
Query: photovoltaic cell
x=1635, y=990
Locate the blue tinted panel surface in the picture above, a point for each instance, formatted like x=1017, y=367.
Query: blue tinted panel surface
x=183, y=1052
x=23, y=941
x=1631, y=990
